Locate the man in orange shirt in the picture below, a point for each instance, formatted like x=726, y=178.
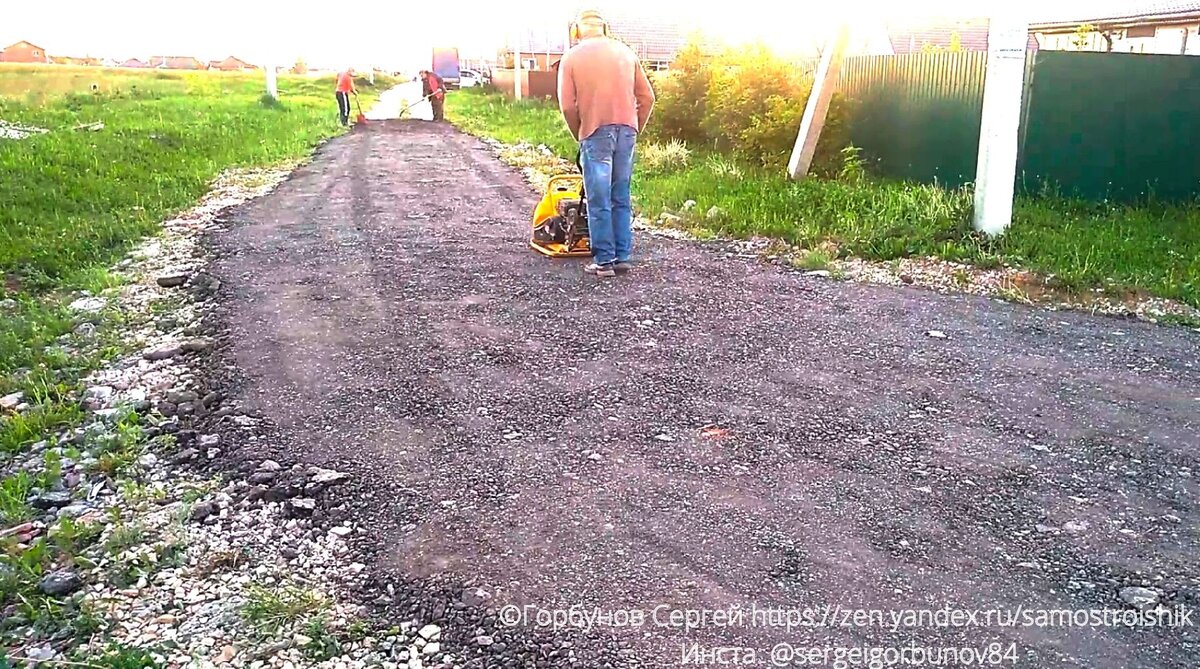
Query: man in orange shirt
x=345, y=86
x=606, y=99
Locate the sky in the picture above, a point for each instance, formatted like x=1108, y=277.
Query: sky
x=400, y=35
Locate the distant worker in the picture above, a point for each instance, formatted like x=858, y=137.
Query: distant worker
x=434, y=88
x=606, y=99
x=345, y=86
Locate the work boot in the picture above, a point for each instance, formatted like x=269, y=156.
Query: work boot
x=600, y=270
x=622, y=266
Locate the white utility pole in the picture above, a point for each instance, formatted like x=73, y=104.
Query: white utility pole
x=818, y=103
x=272, y=86
x=1000, y=125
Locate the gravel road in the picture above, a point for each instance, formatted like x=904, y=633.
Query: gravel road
x=705, y=433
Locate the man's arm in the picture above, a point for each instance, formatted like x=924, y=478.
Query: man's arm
x=568, y=103
x=644, y=94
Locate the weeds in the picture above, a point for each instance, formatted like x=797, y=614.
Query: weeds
x=14, y=499
x=117, y=451
x=71, y=537
x=658, y=157
x=116, y=656
x=723, y=168
x=324, y=645
x=854, y=168
x=270, y=610
x=812, y=260
x=19, y=431
x=123, y=537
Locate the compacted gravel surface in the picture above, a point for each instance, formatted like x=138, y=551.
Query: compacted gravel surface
x=825, y=460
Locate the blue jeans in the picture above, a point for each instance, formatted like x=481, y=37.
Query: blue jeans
x=607, y=160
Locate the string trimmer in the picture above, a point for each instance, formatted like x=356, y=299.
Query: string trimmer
x=402, y=111
x=362, y=118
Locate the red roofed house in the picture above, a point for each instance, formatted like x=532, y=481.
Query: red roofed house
x=231, y=64
x=656, y=40
x=24, y=52
x=134, y=62
x=176, y=63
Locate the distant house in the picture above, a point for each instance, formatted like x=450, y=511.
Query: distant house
x=942, y=36
x=24, y=52
x=1125, y=27
x=134, y=63
x=231, y=64
x=69, y=60
x=176, y=63
x=656, y=41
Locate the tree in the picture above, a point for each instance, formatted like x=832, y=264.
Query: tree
x=1082, y=39
x=300, y=67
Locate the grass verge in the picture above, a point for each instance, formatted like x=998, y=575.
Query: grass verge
x=121, y=152
x=1147, y=250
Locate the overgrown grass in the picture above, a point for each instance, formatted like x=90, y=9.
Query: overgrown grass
x=271, y=609
x=1153, y=249
x=74, y=199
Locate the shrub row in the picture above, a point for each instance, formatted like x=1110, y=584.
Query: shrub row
x=748, y=102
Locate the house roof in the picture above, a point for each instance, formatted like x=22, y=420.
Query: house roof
x=913, y=37
x=23, y=43
x=175, y=62
x=1119, y=12
x=230, y=63
x=134, y=62
x=653, y=37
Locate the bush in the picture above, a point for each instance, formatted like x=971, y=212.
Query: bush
x=682, y=94
x=747, y=102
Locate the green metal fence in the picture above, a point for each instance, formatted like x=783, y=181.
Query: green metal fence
x=1114, y=126
x=917, y=116
x=1099, y=126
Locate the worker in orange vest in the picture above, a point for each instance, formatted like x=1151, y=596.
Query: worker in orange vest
x=345, y=86
x=433, y=88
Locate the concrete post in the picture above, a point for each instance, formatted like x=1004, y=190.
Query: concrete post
x=818, y=103
x=996, y=172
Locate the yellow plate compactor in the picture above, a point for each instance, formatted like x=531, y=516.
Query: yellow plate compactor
x=560, y=225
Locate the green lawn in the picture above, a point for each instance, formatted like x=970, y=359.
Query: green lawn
x=1151, y=250
x=73, y=201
